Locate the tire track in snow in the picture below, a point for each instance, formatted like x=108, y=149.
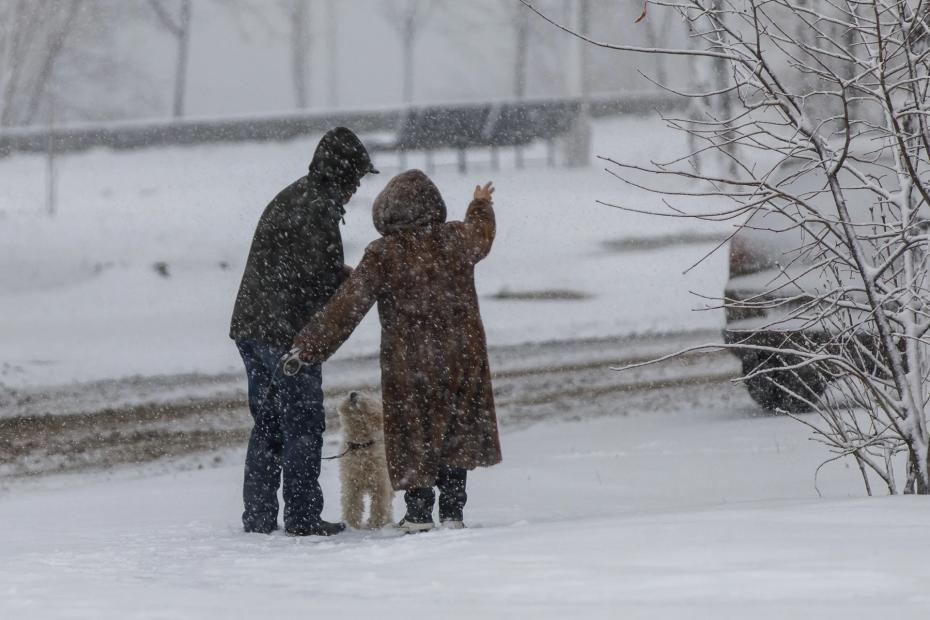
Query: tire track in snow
x=533, y=383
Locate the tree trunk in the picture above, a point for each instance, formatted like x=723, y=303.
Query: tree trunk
x=409, y=36
x=653, y=30
x=51, y=169
x=180, y=73
x=915, y=270
x=520, y=54
x=300, y=53
x=8, y=15
x=723, y=105
x=52, y=52
x=578, y=141
x=15, y=61
x=332, y=29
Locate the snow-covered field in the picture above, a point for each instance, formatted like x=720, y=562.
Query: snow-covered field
x=707, y=512
x=81, y=299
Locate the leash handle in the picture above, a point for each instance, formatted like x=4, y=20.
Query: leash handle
x=291, y=362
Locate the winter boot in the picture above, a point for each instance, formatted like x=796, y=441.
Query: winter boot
x=260, y=528
x=452, y=524
x=320, y=528
x=419, y=517
x=452, y=496
x=413, y=527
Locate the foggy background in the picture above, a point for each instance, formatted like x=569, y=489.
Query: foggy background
x=104, y=60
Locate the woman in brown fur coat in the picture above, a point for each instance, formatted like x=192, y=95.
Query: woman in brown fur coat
x=439, y=418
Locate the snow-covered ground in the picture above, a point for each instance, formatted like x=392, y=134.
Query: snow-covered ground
x=695, y=506
x=81, y=299
x=702, y=512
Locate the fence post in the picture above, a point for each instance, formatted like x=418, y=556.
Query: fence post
x=578, y=140
x=463, y=162
x=51, y=172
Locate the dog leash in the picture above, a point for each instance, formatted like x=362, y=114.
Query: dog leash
x=291, y=364
x=351, y=447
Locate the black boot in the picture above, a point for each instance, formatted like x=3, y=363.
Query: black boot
x=452, y=496
x=320, y=528
x=419, y=517
x=259, y=527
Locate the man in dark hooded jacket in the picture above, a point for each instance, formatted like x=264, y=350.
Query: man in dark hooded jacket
x=295, y=265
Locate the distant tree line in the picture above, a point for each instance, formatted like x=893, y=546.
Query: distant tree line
x=66, y=60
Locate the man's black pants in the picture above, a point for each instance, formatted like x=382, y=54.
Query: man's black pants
x=287, y=437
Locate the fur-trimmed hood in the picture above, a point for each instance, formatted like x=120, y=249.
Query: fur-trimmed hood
x=409, y=200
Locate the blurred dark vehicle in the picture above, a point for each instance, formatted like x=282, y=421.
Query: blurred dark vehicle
x=774, y=273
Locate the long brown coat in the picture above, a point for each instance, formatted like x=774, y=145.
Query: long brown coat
x=435, y=378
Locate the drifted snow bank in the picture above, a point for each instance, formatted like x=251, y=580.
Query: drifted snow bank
x=137, y=273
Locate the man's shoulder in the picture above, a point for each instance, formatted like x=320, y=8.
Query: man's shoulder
x=286, y=205
x=295, y=192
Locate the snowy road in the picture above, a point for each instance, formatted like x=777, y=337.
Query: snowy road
x=172, y=417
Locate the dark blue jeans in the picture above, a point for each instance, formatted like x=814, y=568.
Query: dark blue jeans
x=287, y=436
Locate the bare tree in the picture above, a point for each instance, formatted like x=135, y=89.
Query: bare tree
x=519, y=19
x=704, y=76
x=179, y=27
x=51, y=167
x=332, y=54
x=577, y=143
x=833, y=153
x=409, y=18
x=298, y=13
x=291, y=19
x=32, y=37
x=658, y=27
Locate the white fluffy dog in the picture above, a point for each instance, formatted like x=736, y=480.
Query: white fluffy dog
x=363, y=469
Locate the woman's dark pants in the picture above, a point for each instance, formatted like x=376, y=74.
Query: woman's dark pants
x=287, y=437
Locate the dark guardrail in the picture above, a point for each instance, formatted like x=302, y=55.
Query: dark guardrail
x=279, y=127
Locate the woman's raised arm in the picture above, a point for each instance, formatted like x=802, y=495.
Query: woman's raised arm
x=479, y=226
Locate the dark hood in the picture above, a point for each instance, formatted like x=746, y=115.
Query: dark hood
x=409, y=200
x=341, y=156
x=339, y=163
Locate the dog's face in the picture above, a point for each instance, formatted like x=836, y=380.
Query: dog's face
x=361, y=416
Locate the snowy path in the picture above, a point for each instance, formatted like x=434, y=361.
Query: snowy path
x=700, y=509
x=102, y=425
